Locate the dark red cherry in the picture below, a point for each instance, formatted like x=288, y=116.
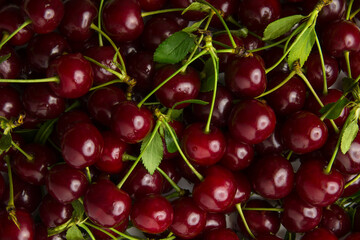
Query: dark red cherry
x=245, y=76
x=226, y=7
x=129, y=48
x=68, y=120
x=10, y=103
x=78, y=16
x=40, y=101
x=336, y=220
x=353, y=236
x=10, y=231
x=272, y=177
x=151, y=5
x=320, y=234
x=304, y=132
x=214, y=221
x=169, y=167
x=203, y=148
x=329, y=13
x=298, y=215
x=221, y=233
x=82, y=145
x=189, y=220
x=315, y=186
x=243, y=190
x=122, y=20
x=189, y=15
x=354, y=59
x=251, y=42
x=238, y=155
x=65, y=183
x=272, y=145
x=130, y=123
x=75, y=74
x=251, y=121
x=41, y=233
x=10, y=68
x=353, y=188
x=152, y=214
x=181, y=87
x=101, y=102
x=107, y=211
x=45, y=15
x=341, y=36
x=53, y=213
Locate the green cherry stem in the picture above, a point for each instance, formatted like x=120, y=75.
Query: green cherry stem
x=28, y=156
x=352, y=181
x=10, y=208
x=354, y=13
x=123, y=234
x=332, y=160
x=264, y=209
x=268, y=46
x=347, y=59
x=288, y=156
x=349, y=7
x=146, y=14
x=230, y=19
x=87, y=230
x=121, y=183
x=99, y=22
x=238, y=207
x=101, y=230
x=172, y=183
x=325, y=88
x=88, y=174
x=292, y=74
x=55, y=79
x=22, y=26
x=117, y=74
x=106, y=84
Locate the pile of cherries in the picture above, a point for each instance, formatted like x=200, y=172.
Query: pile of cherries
x=97, y=131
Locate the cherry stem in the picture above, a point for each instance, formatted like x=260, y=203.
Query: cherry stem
x=22, y=26
x=233, y=21
x=198, y=175
x=354, y=13
x=175, y=195
x=119, y=75
x=146, y=14
x=101, y=230
x=11, y=204
x=99, y=22
x=55, y=79
x=289, y=155
x=158, y=124
x=106, y=84
x=347, y=59
x=332, y=160
x=83, y=226
x=124, y=235
x=28, y=156
x=349, y=9
x=172, y=183
x=325, y=87
x=238, y=207
x=264, y=209
x=168, y=79
x=267, y=46
x=277, y=86
x=88, y=174
x=352, y=181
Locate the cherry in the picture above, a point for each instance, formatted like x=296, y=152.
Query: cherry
x=65, y=183
x=238, y=155
x=203, y=148
x=298, y=215
x=251, y=42
x=304, y=132
x=353, y=236
x=245, y=76
x=225, y=58
x=10, y=103
x=186, y=172
x=315, y=186
x=353, y=188
x=129, y=48
x=226, y=7
x=329, y=13
x=78, y=16
x=122, y=20
x=271, y=145
x=181, y=87
x=271, y=56
x=53, y=213
x=217, y=191
x=354, y=59
x=178, y=18
x=151, y=5
x=152, y=214
x=319, y=233
x=10, y=231
x=82, y=145
x=68, y=120
x=221, y=233
x=40, y=101
x=243, y=188
x=100, y=235
x=189, y=220
x=214, y=221
x=10, y=68
x=41, y=233
x=272, y=177
x=189, y=15
x=169, y=167
x=336, y=220
x=75, y=74
x=109, y=211
x=45, y=15
x=251, y=121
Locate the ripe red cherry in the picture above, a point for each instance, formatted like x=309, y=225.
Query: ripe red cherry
x=10, y=103
x=151, y=5
x=122, y=20
x=106, y=211
x=53, y=213
x=315, y=186
x=152, y=214
x=272, y=145
x=251, y=121
x=68, y=120
x=45, y=15
x=75, y=74
x=221, y=233
x=238, y=155
x=304, y=132
x=320, y=234
x=214, y=221
x=130, y=123
x=181, y=87
x=353, y=188
x=10, y=231
x=10, y=68
x=329, y=13
x=336, y=220
x=354, y=64
x=82, y=145
x=101, y=235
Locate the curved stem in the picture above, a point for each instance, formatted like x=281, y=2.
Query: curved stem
x=277, y=86
x=88, y=174
x=289, y=155
x=348, y=66
x=123, y=234
x=354, y=13
x=106, y=84
x=264, y=209
x=267, y=46
x=55, y=79
x=349, y=9
x=146, y=14
x=99, y=22
x=117, y=74
x=28, y=156
x=82, y=225
x=331, y=162
x=101, y=230
x=238, y=207
x=352, y=181
x=11, y=203
x=325, y=88
x=172, y=183
x=22, y=26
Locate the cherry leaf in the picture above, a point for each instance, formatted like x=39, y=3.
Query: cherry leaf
x=152, y=150
x=169, y=141
x=333, y=110
x=281, y=26
x=5, y=142
x=196, y=6
x=349, y=130
x=78, y=209
x=74, y=233
x=194, y=27
x=302, y=48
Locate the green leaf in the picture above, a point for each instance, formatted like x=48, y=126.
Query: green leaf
x=281, y=26
x=194, y=101
x=153, y=153
x=5, y=142
x=174, y=49
x=348, y=135
x=196, y=6
x=169, y=141
x=176, y=114
x=348, y=84
x=194, y=27
x=301, y=50
x=74, y=233
x=45, y=131
x=333, y=110
x=79, y=210
x=5, y=57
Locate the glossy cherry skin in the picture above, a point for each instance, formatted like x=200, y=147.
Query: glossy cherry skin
x=272, y=177
x=78, y=17
x=130, y=123
x=320, y=234
x=75, y=74
x=238, y=155
x=315, y=186
x=82, y=145
x=298, y=215
x=122, y=20
x=40, y=101
x=217, y=191
x=272, y=145
x=10, y=231
x=256, y=15
x=353, y=188
x=45, y=15
x=353, y=236
x=54, y=213
x=65, y=183
x=152, y=214
x=10, y=68
x=260, y=222
x=34, y=171
x=10, y=103
x=101, y=102
x=203, y=148
x=251, y=121
x=151, y=5
x=314, y=71
x=245, y=76
x=221, y=233
x=336, y=220
x=68, y=120
x=225, y=58
x=304, y=132
x=189, y=220
x=214, y=221
x=329, y=13
x=181, y=87
x=109, y=211
x=252, y=42
x=341, y=36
